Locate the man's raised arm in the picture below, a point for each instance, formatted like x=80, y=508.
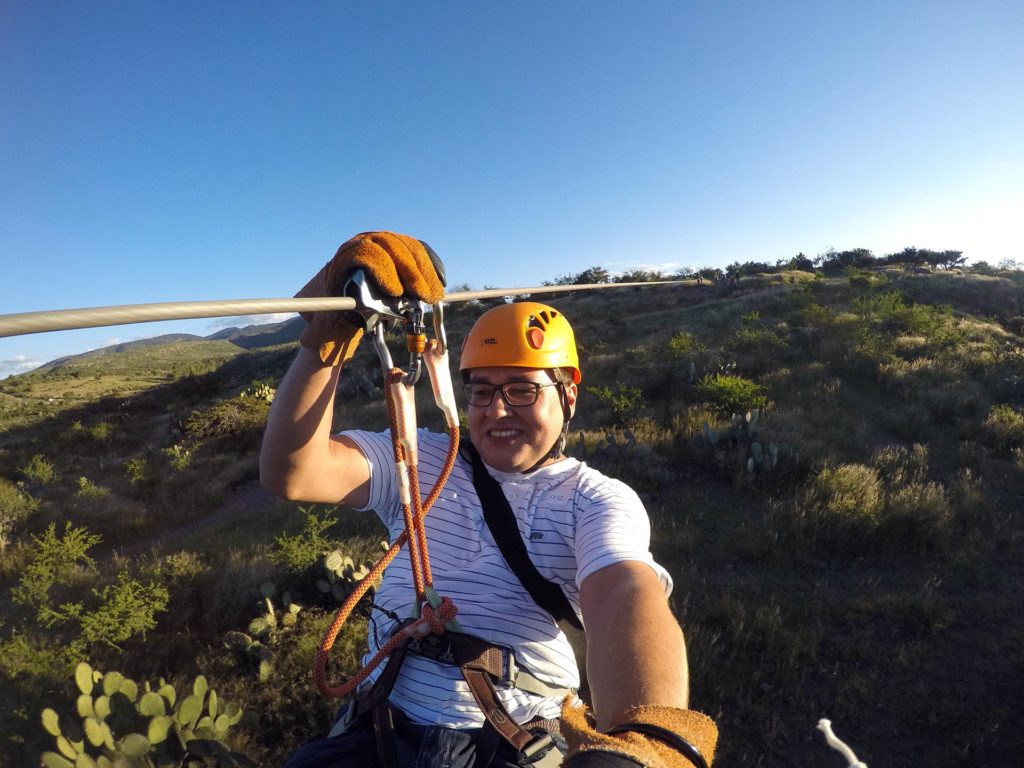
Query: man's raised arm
x=299, y=458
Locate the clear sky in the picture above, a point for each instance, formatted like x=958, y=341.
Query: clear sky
x=172, y=151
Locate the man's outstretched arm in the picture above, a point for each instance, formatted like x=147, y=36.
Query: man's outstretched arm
x=635, y=649
x=636, y=666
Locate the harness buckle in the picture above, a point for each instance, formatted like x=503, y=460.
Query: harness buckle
x=541, y=741
x=511, y=668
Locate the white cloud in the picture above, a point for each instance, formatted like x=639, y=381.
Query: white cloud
x=18, y=364
x=241, y=321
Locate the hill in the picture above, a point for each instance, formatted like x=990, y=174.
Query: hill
x=266, y=335
x=128, y=368
x=155, y=341
x=834, y=468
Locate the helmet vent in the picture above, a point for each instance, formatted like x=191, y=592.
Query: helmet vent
x=541, y=320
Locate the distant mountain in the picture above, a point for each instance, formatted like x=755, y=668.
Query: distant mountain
x=249, y=337
x=255, y=336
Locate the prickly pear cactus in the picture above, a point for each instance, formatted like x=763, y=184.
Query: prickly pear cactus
x=119, y=724
x=739, y=449
x=340, y=575
x=254, y=648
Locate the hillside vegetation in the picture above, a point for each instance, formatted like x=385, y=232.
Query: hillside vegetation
x=833, y=463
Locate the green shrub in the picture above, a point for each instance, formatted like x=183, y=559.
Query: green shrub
x=137, y=470
x=64, y=625
x=179, y=456
x=880, y=307
x=624, y=402
x=39, y=471
x=757, y=338
x=299, y=553
x=683, y=344
x=123, y=610
x=229, y=417
x=1004, y=426
x=100, y=431
x=817, y=316
x=74, y=432
x=891, y=312
x=731, y=393
x=55, y=559
x=752, y=317
x=89, y=491
x=15, y=507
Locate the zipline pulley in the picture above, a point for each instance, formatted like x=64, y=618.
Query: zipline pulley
x=380, y=313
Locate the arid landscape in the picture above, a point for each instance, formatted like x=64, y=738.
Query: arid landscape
x=832, y=456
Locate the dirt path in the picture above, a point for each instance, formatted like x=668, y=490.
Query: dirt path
x=247, y=499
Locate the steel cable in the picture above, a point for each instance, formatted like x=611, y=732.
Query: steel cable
x=23, y=323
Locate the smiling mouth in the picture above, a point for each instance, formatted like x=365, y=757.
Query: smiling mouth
x=505, y=433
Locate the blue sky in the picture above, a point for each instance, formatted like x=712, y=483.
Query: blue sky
x=202, y=150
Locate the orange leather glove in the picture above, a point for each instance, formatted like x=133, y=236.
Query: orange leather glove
x=398, y=265
x=649, y=737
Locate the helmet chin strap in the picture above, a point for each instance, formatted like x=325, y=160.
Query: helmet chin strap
x=559, y=445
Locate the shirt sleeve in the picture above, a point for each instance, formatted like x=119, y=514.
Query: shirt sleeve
x=380, y=458
x=612, y=526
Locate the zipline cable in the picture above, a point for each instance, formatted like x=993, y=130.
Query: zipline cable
x=23, y=323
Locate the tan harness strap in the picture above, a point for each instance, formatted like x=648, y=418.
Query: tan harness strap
x=494, y=711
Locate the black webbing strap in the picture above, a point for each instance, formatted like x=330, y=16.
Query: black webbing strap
x=502, y=521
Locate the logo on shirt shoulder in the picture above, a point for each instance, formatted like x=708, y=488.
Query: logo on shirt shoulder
x=536, y=536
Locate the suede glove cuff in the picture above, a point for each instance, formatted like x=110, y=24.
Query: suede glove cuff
x=647, y=750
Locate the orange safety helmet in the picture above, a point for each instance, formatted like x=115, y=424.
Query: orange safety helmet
x=524, y=334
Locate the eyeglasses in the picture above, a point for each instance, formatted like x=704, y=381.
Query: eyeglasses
x=516, y=394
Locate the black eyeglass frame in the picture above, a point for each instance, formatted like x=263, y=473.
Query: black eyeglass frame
x=537, y=386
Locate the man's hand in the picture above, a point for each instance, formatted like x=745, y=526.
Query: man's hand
x=398, y=265
x=650, y=737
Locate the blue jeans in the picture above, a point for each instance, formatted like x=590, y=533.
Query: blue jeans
x=417, y=746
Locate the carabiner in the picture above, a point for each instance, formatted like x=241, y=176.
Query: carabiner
x=380, y=313
x=439, y=333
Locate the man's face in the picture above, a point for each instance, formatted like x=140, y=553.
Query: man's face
x=514, y=439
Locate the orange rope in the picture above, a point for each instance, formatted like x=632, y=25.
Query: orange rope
x=420, y=531
x=431, y=620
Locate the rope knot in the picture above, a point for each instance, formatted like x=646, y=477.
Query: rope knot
x=444, y=613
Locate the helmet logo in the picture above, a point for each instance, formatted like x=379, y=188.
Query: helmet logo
x=535, y=338
x=490, y=340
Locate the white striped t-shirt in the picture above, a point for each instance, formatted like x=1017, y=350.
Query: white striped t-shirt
x=574, y=521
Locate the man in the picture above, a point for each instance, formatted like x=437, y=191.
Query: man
x=584, y=532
